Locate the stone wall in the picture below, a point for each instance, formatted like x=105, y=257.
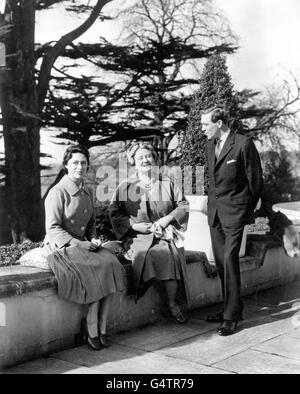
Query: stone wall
x=34, y=321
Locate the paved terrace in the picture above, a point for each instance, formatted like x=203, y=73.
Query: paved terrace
x=268, y=342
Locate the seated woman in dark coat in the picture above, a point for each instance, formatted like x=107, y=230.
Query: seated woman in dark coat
x=86, y=273
x=147, y=213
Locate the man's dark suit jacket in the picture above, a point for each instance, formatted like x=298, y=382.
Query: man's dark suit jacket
x=235, y=181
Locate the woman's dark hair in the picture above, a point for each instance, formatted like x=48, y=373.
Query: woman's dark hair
x=75, y=149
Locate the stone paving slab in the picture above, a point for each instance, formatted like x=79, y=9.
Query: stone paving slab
x=267, y=342
x=161, y=334
x=123, y=360
x=284, y=345
x=255, y=362
x=295, y=333
x=210, y=348
x=49, y=366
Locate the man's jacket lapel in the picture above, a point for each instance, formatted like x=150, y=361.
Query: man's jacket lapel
x=211, y=153
x=226, y=148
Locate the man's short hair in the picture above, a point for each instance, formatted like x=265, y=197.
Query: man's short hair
x=218, y=113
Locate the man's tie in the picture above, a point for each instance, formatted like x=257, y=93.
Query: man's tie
x=218, y=147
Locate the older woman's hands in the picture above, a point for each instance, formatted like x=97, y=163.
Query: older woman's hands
x=164, y=222
x=97, y=242
x=143, y=228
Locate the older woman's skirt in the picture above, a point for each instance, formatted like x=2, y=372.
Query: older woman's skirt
x=83, y=276
x=162, y=262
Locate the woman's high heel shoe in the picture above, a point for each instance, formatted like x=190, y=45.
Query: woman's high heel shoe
x=177, y=315
x=103, y=340
x=94, y=343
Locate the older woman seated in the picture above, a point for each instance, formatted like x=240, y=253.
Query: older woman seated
x=148, y=213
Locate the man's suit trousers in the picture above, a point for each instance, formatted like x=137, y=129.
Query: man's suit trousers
x=226, y=243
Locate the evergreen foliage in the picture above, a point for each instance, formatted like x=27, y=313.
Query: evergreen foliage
x=280, y=183
x=10, y=254
x=143, y=98
x=215, y=88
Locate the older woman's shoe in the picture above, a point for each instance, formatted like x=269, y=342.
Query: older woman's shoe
x=176, y=314
x=180, y=318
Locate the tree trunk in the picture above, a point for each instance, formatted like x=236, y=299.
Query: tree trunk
x=22, y=103
x=21, y=126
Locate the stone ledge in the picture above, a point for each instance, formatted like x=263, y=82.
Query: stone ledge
x=257, y=246
x=39, y=322
x=17, y=280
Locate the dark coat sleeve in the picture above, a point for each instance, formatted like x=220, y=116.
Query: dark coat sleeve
x=253, y=170
x=120, y=220
x=181, y=207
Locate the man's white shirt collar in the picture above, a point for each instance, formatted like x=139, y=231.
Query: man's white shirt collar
x=224, y=138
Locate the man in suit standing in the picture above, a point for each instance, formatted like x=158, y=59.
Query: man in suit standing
x=235, y=185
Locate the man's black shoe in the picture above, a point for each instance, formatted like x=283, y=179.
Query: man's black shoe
x=216, y=318
x=228, y=327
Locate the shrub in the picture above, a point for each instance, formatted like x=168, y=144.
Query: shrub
x=10, y=254
x=103, y=225
x=215, y=88
x=280, y=184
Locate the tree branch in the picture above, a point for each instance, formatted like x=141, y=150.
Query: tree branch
x=45, y=4
x=53, y=53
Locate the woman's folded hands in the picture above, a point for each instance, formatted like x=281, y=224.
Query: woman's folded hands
x=92, y=245
x=147, y=228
